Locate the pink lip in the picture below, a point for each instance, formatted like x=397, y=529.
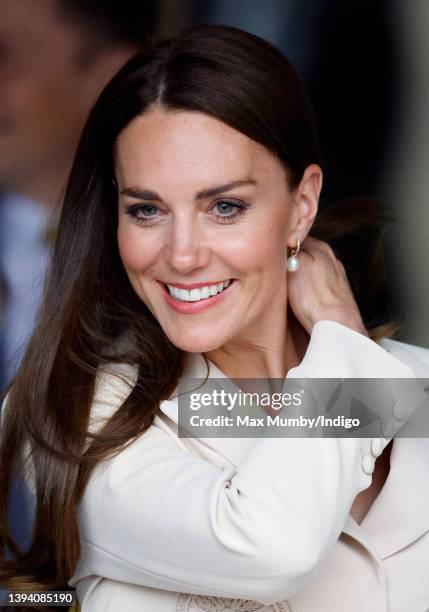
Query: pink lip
x=194, y=307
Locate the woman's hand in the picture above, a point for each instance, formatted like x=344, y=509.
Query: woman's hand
x=320, y=290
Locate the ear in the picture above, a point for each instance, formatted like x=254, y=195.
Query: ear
x=305, y=200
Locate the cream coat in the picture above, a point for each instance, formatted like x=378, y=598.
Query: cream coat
x=175, y=525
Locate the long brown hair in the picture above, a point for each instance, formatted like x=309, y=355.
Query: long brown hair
x=89, y=304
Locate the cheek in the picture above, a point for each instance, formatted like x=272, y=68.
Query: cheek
x=258, y=251
x=136, y=252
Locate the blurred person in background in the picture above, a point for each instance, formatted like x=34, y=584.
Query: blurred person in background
x=55, y=57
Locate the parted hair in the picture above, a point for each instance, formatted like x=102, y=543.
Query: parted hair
x=89, y=304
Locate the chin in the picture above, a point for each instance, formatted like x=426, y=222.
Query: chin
x=201, y=343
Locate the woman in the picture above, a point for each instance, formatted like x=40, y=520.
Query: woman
x=196, y=174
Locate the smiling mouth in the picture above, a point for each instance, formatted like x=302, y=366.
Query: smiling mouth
x=196, y=295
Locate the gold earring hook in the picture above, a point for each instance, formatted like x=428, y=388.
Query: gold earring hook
x=295, y=251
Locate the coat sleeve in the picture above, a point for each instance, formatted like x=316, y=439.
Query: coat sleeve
x=157, y=516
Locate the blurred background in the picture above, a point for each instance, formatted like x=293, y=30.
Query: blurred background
x=365, y=65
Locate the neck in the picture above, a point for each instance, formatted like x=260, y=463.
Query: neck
x=264, y=355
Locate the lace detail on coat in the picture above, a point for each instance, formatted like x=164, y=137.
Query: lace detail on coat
x=199, y=603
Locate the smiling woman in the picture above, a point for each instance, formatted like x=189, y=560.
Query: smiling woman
x=197, y=203
x=196, y=177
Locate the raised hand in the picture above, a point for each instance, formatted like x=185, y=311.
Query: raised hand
x=320, y=289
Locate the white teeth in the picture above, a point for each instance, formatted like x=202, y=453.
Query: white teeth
x=194, y=295
x=175, y=292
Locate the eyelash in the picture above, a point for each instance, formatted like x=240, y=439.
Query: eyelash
x=135, y=208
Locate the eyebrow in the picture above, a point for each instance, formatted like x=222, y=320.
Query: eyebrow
x=205, y=193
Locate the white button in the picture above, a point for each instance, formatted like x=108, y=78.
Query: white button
x=368, y=464
x=400, y=411
x=389, y=430
x=376, y=447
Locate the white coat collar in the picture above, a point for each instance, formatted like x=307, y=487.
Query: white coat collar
x=231, y=449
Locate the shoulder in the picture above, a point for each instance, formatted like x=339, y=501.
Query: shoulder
x=114, y=382
x=115, y=378
x=335, y=350
x=417, y=357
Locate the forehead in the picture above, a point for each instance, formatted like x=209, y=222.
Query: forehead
x=193, y=145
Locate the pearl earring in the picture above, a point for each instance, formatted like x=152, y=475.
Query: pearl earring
x=293, y=261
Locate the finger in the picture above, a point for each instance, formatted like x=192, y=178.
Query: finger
x=342, y=268
x=307, y=252
x=314, y=243
x=318, y=246
x=340, y=264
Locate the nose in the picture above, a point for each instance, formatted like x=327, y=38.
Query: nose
x=187, y=249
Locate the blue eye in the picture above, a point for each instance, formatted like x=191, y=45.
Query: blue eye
x=225, y=207
x=147, y=210
x=142, y=212
x=228, y=211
